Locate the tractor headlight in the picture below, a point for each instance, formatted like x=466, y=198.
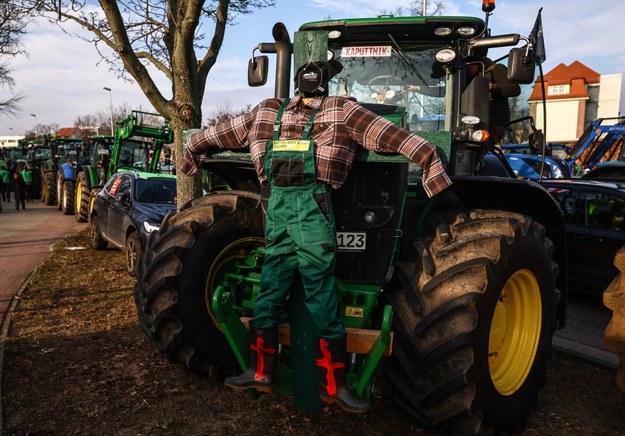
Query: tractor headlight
x=445, y=55
x=470, y=120
x=465, y=31
x=150, y=227
x=442, y=31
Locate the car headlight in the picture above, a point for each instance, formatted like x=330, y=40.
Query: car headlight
x=150, y=227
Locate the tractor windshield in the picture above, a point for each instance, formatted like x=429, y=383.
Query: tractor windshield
x=133, y=154
x=387, y=74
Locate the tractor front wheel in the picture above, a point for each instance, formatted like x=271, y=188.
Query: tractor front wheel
x=67, y=197
x=475, y=317
x=49, y=188
x=81, y=198
x=175, y=283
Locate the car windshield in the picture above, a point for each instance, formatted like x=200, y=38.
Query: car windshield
x=156, y=191
x=381, y=74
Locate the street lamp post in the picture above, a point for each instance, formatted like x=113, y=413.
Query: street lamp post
x=36, y=125
x=106, y=88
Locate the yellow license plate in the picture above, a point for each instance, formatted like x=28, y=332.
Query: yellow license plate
x=291, y=145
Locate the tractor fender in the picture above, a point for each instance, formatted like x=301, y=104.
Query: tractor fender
x=525, y=197
x=69, y=172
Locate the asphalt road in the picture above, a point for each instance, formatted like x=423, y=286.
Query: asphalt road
x=24, y=240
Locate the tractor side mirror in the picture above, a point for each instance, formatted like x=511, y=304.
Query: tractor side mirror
x=257, y=70
x=475, y=103
x=521, y=65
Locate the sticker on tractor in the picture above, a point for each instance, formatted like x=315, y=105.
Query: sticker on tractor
x=368, y=51
x=291, y=145
x=354, y=312
x=351, y=241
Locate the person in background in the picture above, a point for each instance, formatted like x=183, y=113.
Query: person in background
x=19, y=185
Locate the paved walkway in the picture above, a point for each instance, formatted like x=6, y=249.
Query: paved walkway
x=25, y=237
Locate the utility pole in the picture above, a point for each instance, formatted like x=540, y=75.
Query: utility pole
x=110, y=107
x=425, y=8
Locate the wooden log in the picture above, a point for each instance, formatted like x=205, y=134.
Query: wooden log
x=359, y=341
x=614, y=334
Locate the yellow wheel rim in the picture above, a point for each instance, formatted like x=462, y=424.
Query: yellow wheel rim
x=78, y=198
x=515, y=332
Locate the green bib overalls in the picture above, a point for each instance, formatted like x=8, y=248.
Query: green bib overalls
x=300, y=234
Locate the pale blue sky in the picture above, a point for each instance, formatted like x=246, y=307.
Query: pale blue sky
x=61, y=77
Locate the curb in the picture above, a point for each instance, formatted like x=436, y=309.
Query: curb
x=4, y=331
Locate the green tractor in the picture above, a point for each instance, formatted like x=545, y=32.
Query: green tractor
x=456, y=298
x=137, y=145
x=92, y=172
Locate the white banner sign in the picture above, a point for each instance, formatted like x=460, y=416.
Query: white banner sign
x=366, y=51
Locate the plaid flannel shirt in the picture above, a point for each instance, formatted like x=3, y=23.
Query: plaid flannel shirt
x=340, y=125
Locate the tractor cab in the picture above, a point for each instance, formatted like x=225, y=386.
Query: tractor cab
x=139, y=139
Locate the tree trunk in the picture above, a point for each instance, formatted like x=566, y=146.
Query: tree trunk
x=188, y=188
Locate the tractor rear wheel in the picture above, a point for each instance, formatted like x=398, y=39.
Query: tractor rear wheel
x=49, y=188
x=67, y=197
x=180, y=260
x=474, y=321
x=81, y=198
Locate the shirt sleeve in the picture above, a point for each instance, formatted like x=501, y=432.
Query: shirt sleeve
x=228, y=134
x=376, y=133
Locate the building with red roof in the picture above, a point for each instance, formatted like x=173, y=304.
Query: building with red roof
x=68, y=132
x=576, y=95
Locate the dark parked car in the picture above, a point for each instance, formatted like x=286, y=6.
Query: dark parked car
x=131, y=205
x=594, y=216
x=528, y=166
x=610, y=170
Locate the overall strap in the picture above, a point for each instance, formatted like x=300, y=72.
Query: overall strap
x=308, y=126
x=278, y=121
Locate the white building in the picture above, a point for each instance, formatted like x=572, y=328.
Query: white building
x=576, y=95
x=9, y=141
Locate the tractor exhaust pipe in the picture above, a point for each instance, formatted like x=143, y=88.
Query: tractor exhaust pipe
x=284, y=48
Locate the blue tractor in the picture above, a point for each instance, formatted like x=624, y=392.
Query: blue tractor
x=600, y=142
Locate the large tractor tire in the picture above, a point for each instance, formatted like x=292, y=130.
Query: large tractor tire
x=474, y=320
x=59, y=190
x=49, y=188
x=67, y=197
x=178, y=269
x=81, y=198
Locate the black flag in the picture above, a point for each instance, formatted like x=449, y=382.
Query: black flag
x=536, y=36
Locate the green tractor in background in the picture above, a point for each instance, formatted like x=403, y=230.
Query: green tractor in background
x=137, y=145
x=92, y=172
x=462, y=291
